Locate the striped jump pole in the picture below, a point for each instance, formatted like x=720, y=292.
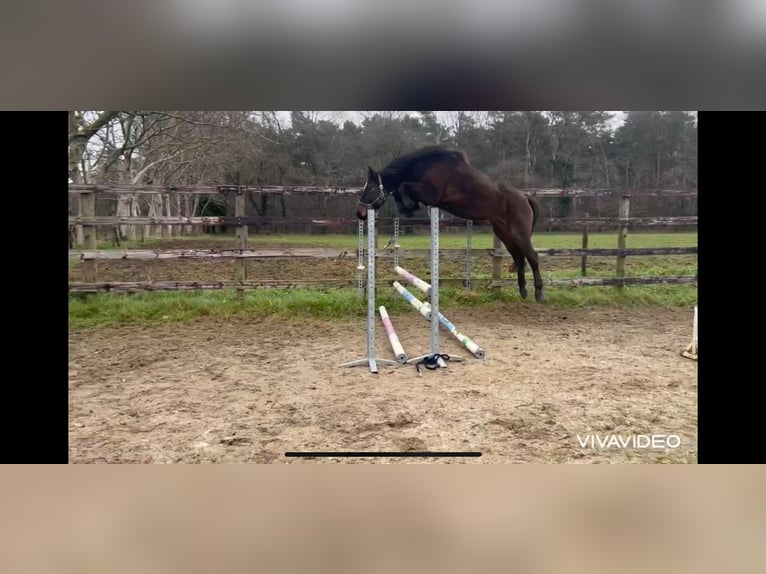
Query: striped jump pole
x=412, y=280
x=466, y=341
x=370, y=359
x=422, y=308
x=477, y=351
x=401, y=356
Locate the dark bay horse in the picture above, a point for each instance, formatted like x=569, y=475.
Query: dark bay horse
x=443, y=178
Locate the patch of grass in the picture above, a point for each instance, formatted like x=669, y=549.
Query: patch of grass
x=480, y=240
x=172, y=307
x=608, y=240
x=157, y=242
x=333, y=304
x=632, y=295
x=152, y=308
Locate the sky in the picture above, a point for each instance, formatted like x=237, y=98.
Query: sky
x=443, y=116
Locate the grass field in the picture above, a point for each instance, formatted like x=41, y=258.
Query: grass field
x=152, y=308
x=480, y=240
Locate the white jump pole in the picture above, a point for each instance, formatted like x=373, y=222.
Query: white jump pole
x=370, y=360
x=396, y=346
x=691, y=352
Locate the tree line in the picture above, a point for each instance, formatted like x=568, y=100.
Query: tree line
x=651, y=149
x=560, y=149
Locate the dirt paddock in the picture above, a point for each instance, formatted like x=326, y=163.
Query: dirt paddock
x=248, y=390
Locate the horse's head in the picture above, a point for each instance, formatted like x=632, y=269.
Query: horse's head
x=374, y=195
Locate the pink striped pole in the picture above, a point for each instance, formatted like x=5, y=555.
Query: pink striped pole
x=410, y=278
x=401, y=356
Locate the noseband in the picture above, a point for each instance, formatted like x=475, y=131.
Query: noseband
x=378, y=201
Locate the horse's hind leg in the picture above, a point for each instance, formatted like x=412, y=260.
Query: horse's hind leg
x=518, y=260
x=525, y=245
x=516, y=253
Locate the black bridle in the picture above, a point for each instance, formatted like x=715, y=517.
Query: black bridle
x=378, y=201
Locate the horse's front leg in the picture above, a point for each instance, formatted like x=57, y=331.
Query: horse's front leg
x=419, y=193
x=401, y=204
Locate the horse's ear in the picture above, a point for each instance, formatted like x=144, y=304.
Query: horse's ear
x=371, y=171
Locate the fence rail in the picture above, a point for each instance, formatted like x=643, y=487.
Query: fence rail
x=107, y=220
x=90, y=255
x=138, y=286
x=334, y=253
x=119, y=188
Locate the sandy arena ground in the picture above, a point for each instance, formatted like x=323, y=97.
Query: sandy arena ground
x=248, y=390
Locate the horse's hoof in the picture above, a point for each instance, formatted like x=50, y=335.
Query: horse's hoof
x=523, y=293
x=539, y=297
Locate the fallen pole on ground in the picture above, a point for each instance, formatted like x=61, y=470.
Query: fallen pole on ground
x=422, y=308
x=469, y=344
x=396, y=346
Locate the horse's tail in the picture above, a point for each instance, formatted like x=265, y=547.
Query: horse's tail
x=535, y=210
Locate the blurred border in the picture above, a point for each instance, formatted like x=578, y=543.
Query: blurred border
x=228, y=54
x=238, y=518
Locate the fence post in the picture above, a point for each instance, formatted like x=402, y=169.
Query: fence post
x=468, y=253
x=178, y=229
x=497, y=260
x=622, y=234
x=396, y=241
x=79, y=233
x=187, y=228
x=165, y=212
x=584, y=269
x=239, y=211
x=88, y=207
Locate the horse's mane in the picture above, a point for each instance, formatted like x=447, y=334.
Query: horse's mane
x=403, y=162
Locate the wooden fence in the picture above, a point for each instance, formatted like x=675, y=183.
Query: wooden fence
x=90, y=255
x=304, y=189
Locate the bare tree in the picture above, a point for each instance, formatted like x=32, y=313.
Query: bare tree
x=165, y=147
x=81, y=130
